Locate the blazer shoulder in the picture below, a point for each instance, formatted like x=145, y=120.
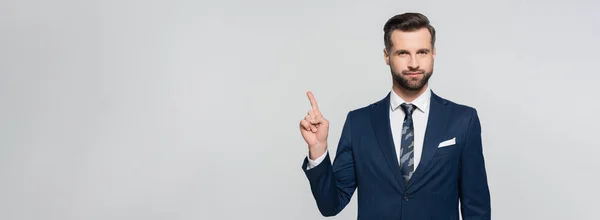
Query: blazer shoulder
x=365, y=112
x=459, y=109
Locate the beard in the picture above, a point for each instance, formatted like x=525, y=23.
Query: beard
x=406, y=82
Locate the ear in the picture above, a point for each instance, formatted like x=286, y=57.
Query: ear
x=433, y=53
x=386, y=56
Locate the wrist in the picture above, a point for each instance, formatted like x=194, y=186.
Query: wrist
x=316, y=152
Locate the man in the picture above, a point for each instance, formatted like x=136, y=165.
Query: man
x=412, y=155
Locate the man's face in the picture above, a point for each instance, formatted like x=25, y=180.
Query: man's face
x=411, y=58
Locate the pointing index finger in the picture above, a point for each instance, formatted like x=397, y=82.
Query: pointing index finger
x=313, y=102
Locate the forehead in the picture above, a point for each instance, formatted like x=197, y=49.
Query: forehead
x=411, y=39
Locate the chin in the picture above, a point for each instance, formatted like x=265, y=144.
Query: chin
x=415, y=86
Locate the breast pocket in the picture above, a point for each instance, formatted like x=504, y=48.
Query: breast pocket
x=444, y=151
x=446, y=148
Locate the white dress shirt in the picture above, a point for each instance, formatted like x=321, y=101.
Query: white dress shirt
x=420, y=116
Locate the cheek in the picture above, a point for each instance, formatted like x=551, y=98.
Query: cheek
x=398, y=63
x=427, y=62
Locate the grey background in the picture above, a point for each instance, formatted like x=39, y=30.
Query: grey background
x=190, y=109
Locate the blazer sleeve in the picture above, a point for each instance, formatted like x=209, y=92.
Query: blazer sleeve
x=332, y=186
x=473, y=186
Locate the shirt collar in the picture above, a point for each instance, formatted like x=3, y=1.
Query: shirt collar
x=421, y=102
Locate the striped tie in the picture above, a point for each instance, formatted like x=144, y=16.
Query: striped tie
x=407, y=143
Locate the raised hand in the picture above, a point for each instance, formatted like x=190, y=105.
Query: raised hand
x=314, y=128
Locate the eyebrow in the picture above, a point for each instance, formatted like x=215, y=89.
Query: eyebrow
x=420, y=50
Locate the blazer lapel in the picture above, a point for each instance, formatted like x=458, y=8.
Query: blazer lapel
x=381, y=125
x=436, y=124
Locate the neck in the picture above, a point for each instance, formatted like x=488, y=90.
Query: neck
x=408, y=95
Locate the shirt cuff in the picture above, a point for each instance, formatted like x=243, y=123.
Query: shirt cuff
x=313, y=163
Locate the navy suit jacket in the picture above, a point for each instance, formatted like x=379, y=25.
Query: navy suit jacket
x=366, y=159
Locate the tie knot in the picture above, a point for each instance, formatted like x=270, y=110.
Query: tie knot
x=408, y=108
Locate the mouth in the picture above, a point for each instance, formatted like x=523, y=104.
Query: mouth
x=412, y=73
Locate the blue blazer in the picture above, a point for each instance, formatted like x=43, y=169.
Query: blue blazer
x=366, y=159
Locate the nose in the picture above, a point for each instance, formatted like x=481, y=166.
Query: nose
x=412, y=63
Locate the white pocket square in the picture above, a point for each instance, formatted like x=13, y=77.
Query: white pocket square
x=447, y=143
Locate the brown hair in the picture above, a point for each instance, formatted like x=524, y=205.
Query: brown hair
x=410, y=21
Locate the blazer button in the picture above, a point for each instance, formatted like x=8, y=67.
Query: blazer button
x=406, y=197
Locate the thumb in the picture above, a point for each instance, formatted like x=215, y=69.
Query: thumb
x=320, y=121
